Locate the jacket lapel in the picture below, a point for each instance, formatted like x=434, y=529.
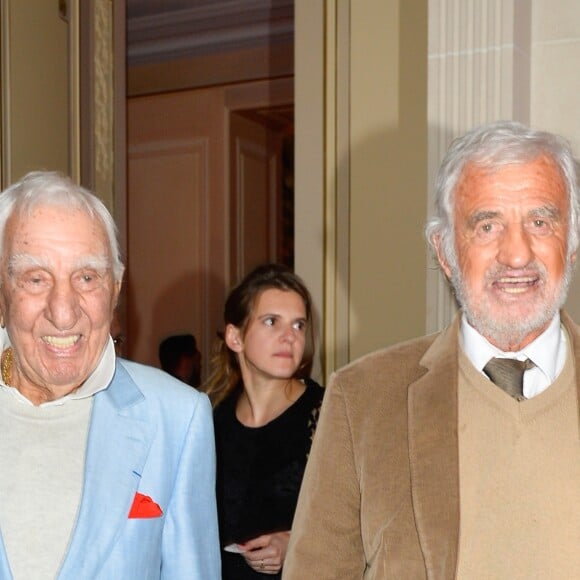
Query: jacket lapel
x=5, y=572
x=117, y=449
x=574, y=333
x=434, y=454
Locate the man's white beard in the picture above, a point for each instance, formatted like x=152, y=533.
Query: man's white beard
x=513, y=329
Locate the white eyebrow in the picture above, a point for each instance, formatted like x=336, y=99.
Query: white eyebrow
x=22, y=261
x=18, y=262
x=546, y=211
x=482, y=215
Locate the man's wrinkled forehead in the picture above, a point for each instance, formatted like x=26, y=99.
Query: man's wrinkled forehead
x=544, y=164
x=23, y=225
x=68, y=214
x=491, y=164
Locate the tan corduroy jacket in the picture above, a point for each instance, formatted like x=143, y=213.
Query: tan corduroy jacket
x=380, y=496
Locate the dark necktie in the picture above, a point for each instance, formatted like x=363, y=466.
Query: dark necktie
x=508, y=374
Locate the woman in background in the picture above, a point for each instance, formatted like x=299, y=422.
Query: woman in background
x=265, y=414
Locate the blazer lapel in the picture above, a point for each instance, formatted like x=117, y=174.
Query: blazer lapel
x=434, y=455
x=117, y=449
x=574, y=333
x=5, y=572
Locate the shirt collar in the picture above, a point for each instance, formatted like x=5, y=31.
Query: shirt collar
x=97, y=381
x=544, y=351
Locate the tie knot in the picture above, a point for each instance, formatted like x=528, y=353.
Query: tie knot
x=508, y=373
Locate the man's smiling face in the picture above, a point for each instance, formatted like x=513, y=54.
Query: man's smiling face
x=511, y=232
x=57, y=298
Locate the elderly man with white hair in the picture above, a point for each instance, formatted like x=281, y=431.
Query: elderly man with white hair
x=457, y=455
x=107, y=468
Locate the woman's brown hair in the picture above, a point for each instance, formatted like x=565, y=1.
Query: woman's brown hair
x=225, y=376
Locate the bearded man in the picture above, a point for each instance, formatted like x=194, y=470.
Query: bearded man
x=458, y=455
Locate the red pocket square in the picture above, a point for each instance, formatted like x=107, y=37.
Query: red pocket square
x=144, y=507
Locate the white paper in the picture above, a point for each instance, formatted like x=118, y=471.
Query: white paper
x=234, y=548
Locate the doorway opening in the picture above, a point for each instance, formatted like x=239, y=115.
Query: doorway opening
x=261, y=188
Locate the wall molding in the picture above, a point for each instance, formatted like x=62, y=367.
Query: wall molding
x=197, y=150
x=205, y=27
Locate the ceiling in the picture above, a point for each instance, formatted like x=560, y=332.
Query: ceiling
x=161, y=30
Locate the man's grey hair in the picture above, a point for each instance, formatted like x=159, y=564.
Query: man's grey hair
x=491, y=147
x=50, y=188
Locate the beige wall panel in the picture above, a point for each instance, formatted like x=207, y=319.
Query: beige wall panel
x=361, y=170
x=169, y=300
x=310, y=164
x=555, y=19
x=388, y=172
x=39, y=84
x=177, y=230
x=556, y=86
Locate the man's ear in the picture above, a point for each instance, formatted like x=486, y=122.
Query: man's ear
x=117, y=285
x=233, y=338
x=3, y=305
x=443, y=263
x=116, y=293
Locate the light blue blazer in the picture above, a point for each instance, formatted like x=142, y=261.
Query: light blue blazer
x=150, y=434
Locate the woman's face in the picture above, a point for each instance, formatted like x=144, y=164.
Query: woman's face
x=273, y=344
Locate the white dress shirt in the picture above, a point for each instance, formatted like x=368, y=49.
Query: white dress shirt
x=547, y=352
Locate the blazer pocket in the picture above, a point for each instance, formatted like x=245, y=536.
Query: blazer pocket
x=144, y=507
